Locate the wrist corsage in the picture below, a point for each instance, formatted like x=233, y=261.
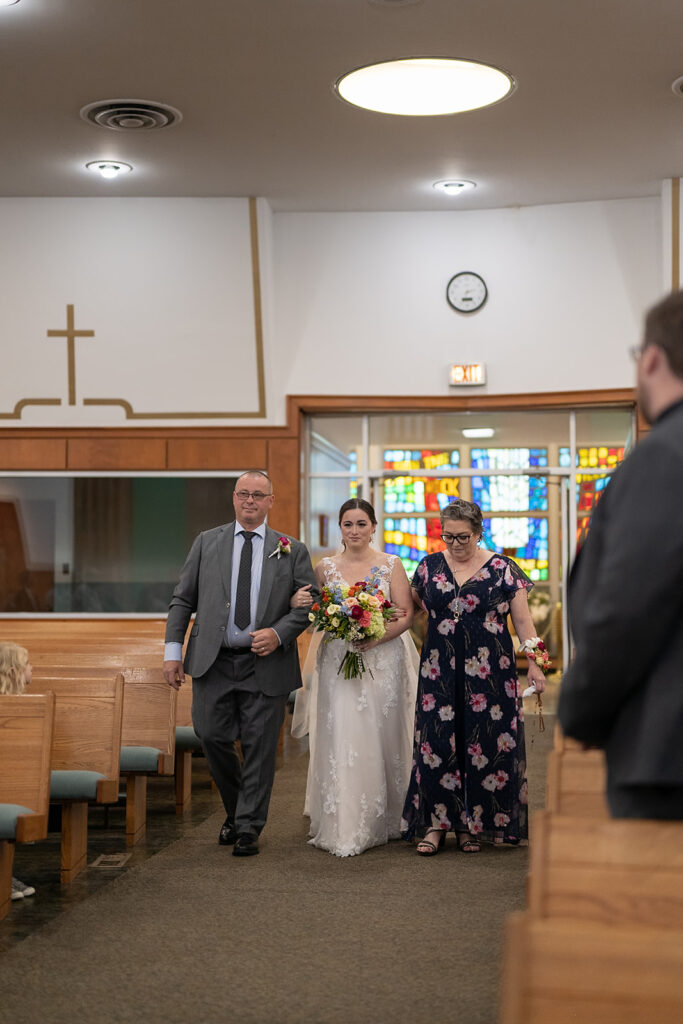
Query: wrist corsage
x=536, y=651
x=284, y=547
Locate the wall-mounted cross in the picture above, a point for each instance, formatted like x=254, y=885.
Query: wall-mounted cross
x=71, y=334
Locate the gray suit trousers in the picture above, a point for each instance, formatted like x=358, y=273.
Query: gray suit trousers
x=226, y=706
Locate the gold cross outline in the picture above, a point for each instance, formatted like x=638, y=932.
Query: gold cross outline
x=71, y=334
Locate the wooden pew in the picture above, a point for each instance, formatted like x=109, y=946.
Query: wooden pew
x=187, y=743
x=69, y=628
x=609, y=871
x=558, y=971
x=85, y=754
x=605, y=898
x=26, y=729
x=576, y=779
x=148, y=727
x=148, y=741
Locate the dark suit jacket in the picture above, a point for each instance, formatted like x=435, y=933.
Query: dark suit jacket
x=624, y=690
x=204, y=587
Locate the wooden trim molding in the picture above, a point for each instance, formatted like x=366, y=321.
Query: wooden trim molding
x=299, y=405
x=276, y=449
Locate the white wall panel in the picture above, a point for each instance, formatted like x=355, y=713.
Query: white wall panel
x=361, y=306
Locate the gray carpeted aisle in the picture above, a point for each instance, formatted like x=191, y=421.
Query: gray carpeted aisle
x=291, y=936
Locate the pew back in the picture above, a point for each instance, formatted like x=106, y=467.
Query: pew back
x=149, y=703
x=566, y=972
x=615, y=872
x=88, y=720
x=26, y=728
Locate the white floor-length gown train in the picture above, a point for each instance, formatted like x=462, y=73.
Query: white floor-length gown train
x=360, y=734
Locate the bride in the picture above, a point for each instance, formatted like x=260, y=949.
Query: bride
x=360, y=730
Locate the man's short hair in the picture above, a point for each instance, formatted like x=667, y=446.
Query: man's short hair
x=255, y=472
x=664, y=328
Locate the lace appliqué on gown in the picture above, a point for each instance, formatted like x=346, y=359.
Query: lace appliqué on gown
x=360, y=734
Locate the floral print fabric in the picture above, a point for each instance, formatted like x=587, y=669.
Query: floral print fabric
x=469, y=762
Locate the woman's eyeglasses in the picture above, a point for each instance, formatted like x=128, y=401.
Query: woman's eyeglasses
x=458, y=538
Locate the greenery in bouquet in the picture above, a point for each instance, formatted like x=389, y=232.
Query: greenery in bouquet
x=354, y=614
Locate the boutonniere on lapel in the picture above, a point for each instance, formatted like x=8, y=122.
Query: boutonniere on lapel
x=284, y=547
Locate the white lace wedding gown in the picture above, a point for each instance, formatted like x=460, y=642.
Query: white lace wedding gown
x=361, y=736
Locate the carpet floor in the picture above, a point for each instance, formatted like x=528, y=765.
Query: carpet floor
x=293, y=936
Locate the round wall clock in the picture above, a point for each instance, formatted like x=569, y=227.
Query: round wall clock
x=466, y=292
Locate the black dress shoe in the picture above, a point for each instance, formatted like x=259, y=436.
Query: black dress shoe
x=227, y=834
x=246, y=846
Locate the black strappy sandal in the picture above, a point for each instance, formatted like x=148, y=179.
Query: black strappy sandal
x=433, y=847
x=468, y=844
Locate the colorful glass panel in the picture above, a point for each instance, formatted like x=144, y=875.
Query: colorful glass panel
x=353, y=466
x=399, y=459
x=509, y=493
x=523, y=538
x=418, y=494
x=411, y=538
x=590, y=486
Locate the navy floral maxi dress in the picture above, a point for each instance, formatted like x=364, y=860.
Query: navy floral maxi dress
x=469, y=762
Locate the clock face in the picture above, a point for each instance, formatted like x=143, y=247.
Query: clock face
x=466, y=292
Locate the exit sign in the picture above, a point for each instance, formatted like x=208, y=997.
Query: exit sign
x=467, y=374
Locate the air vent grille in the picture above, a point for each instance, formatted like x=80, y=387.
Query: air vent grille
x=131, y=115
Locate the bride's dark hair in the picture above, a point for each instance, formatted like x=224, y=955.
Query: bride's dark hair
x=363, y=505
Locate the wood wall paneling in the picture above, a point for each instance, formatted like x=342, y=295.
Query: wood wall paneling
x=117, y=453
x=283, y=467
x=23, y=453
x=216, y=454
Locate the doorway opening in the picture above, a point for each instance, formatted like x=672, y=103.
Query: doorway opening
x=537, y=476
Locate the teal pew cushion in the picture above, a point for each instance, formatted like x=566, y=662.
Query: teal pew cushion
x=74, y=785
x=8, y=819
x=139, y=759
x=186, y=738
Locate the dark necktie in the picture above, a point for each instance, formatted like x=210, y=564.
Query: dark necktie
x=243, y=595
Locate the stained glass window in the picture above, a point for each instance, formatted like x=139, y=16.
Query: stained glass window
x=421, y=458
x=509, y=493
x=590, y=486
x=524, y=538
x=353, y=466
x=411, y=538
x=418, y=494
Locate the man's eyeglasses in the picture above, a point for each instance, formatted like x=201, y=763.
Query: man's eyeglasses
x=256, y=495
x=458, y=538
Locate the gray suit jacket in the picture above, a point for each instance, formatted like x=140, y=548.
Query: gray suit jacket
x=624, y=690
x=204, y=588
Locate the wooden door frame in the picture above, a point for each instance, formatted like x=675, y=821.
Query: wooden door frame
x=278, y=449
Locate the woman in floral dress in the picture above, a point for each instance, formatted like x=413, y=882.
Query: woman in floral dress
x=469, y=763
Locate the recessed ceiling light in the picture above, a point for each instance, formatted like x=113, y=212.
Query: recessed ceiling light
x=453, y=187
x=424, y=86
x=478, y=431
x=109, y=168
x=677, y=86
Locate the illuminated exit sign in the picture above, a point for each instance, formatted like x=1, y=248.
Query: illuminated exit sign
x=467, y=374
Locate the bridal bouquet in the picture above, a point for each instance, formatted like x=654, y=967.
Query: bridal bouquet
x=353, y=614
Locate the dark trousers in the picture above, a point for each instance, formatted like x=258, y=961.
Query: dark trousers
x=227, y=707
x=665, y=802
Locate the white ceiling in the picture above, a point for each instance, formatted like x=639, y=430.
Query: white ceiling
x=593, y=115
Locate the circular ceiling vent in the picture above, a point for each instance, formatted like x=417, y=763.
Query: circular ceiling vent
x=131, y=115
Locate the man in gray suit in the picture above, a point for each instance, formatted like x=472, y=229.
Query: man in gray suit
x=242, y=652
x=624, y=690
